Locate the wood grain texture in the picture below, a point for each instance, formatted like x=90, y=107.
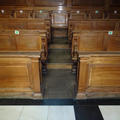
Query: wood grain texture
x=88, y=2
x=19, y=74
x=59, y=19
x=100, y=74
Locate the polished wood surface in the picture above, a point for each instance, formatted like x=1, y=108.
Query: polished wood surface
x=89, y=41
x=19, y=73
x=59, y=19
x=93, y=28
x=25, y=40
x=99, y=74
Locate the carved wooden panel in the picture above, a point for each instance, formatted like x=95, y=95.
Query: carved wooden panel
x=59, y=18
x=105, y=75
x=28, y=42
x=89, y=41
x=17, y=74
x=99, y=74
x=87, y=3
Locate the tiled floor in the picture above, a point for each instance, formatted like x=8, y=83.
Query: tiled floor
x=37, y=113
x=110, y=112
x=58, y=113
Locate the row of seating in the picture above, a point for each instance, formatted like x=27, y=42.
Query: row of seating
x=73, y=14
x=95, y=47
x=41, y=14
x=32, y=34
x=94, y=14
x=23, y=48
x=93, y=35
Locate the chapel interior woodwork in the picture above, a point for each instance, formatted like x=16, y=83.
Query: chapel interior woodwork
x=27, y=28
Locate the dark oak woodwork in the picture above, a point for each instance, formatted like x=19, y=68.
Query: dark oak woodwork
x=50, y=3
x=13, y=2
x=87, y=2
x=115, y=3
x=59, y=19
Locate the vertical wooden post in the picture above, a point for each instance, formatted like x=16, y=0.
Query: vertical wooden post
x=36, y=75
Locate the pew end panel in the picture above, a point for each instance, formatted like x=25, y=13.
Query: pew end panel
x=99, y=76
x=20, y=75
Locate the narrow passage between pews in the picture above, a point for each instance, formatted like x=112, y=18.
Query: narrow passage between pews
x=59, y=81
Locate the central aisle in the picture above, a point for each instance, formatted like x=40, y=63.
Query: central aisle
x=59, y=81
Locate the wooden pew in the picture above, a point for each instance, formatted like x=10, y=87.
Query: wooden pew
x=98, y=75
x=23, y=14
x=78, y=15
x=6, y=13
x=20, y=75
x=96, y=14
x=93, y=41
x=113, y=14
x=24, y=41
x=76, y=26
x=83, y=14
x=29, y=24
x=41, y=14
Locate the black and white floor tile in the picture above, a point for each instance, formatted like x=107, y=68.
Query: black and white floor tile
x=58, y=110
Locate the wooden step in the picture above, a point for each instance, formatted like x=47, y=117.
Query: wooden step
x=59, y=66
x=59, y=46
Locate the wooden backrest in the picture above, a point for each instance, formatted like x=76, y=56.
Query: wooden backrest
x=59, y=18
x=94, y=25
x=78, y=15
x=113, y=41
x=6, y=13
x=23, y=24
x=86, y=14
x=114, y=14
x=87, y=41
x=41, y=14
x=22, y=40
x=23, y=14
x=96, y=14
